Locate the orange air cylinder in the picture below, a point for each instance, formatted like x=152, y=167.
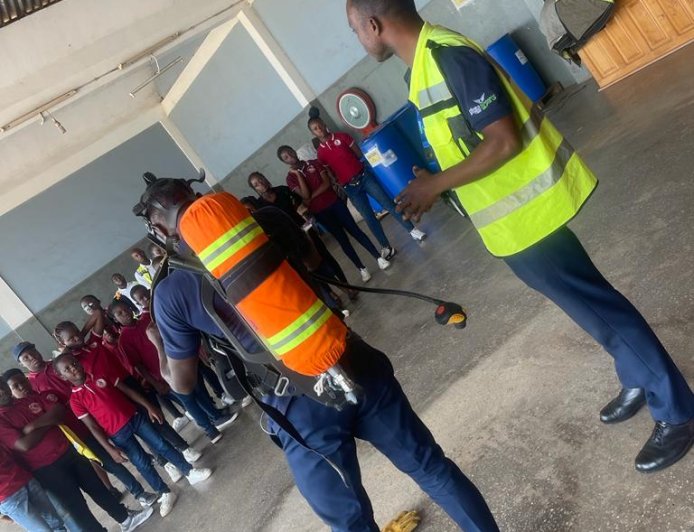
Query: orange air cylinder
x=287, y=315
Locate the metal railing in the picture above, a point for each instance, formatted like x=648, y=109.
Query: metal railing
x=14, y=10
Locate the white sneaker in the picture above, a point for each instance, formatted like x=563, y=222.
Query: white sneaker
x=179, y=423
x=147, y=499
x=365, y=275
x=418, y=235
x=345, y=313
x=383, y=263
x=191, y=455
x=167, y=501
x=173, y=472
x=246, y=401
x=198, y=475
x=135, y=519
x=227, y=399
x=388, y=252
x=224, y=421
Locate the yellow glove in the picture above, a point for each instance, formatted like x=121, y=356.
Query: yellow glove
x=404, y=522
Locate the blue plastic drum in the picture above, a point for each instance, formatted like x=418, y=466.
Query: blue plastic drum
x=511, y=58
x=391, y=153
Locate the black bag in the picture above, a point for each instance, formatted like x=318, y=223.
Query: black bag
x=569, y=24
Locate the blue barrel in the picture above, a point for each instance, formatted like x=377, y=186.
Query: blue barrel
x=391, y=153
x=511, y=58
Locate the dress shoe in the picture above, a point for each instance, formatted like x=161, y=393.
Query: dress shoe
x=624, y=406
x=667, y=444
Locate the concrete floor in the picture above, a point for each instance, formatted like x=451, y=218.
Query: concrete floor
x=514, y=398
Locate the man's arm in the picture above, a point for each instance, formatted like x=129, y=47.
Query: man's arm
x=160, y=387
x=101, y=437
x=52, y=417
x=181, y=374
x=501, y=143
x=155, y=414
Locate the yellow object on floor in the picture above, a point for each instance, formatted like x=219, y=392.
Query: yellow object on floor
x=404, y=522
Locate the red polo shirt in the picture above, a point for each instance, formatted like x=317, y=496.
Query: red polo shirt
x=311, y=171
x=336, y=152
x=17, y=415
x=12, y=477
x=100, y=398
x=138, y=349
x=94, y=352
x=48, y=380
x=70, y=421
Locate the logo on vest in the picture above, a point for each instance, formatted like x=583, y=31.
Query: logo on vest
x=101, y=383
x=35, y=408
x=482, y=103
x=338, y=142
x=52, y=398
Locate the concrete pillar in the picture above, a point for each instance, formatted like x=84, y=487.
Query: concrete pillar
x=276, y=56
x=188, y=150
x=24, y=325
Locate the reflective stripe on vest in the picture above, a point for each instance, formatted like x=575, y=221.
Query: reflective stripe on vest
x=528, y=197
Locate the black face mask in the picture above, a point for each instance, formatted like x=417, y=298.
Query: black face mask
x=168, y=196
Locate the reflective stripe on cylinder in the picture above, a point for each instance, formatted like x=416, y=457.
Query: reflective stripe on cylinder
x=286, y=314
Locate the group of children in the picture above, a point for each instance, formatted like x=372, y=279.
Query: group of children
x=316, y=186
x=69, y=422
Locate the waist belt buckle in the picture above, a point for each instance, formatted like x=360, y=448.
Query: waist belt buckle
x=281, y=386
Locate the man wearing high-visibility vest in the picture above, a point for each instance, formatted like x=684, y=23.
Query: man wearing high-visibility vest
x=520, y=183
x=383, y=415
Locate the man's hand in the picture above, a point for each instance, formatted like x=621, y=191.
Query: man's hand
x=155, y=415
x=161, y=387
x=116, y=454
x=419, y=195
x=153, y=334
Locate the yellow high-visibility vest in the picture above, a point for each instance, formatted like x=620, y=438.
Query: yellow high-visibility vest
x=530, y=196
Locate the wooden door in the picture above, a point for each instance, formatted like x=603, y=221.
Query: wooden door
x=640, y=33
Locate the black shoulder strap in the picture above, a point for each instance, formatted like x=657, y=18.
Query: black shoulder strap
x=208, y=291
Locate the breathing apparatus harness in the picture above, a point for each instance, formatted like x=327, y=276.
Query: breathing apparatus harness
x=265, y=371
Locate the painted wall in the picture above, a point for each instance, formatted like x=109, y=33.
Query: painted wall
x=236, y=103
x=4, y=328
x=483, y=20
x=60, y=237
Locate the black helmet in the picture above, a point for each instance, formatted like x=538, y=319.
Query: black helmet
x=167, y=195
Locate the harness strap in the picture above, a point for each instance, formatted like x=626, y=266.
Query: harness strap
x=208, y=291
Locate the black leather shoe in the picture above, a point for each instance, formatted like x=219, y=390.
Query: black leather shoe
x=667, y=444
x=624, y=406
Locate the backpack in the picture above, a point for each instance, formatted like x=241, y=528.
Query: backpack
x=569, y=24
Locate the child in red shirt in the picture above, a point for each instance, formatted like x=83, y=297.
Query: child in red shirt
x=342, y=154
x=107, y=406
x=28, y=427
x=21, y=388
x=144, y=357
x=91, y=351
x=23, y=499
x=310, y=180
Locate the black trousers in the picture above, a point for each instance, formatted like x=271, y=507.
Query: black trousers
x=63, y=480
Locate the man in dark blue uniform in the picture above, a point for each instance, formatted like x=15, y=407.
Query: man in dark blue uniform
x=383, y=416
x=556, y=265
